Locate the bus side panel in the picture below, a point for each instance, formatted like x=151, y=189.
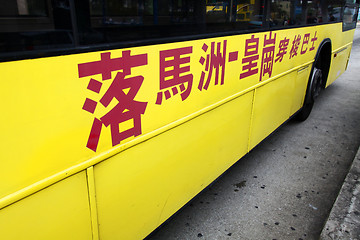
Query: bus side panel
x=339, y=63
x=341, y=48
x=272, y=106
x=60, y=211
x=51, y=109
x=140, y=188
x=301, y=82
x=42, y=124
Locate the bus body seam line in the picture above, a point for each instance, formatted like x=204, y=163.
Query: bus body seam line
x=92, y=202
x=342, y=48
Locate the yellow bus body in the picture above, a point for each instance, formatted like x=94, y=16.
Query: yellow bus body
x=53, y=187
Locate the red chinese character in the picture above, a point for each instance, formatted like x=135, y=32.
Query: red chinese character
x=313, y=40
x=295, y=46
x=251, y=55
x=267, y=61
x=107, y=65
x=305, y=42
x=283, y=45
x=171, y=67
x=213, y=61
x=122, y=88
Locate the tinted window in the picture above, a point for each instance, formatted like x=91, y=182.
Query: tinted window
x=23, y=8
x=305, y=12
x=29, y=25
x=350, y=15
x=126, y=20
x=41, y=25
x=287, y=13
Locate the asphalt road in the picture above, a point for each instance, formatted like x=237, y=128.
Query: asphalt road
x=286, y=186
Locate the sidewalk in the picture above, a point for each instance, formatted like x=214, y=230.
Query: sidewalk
x=344, y=219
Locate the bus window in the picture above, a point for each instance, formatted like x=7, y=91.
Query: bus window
x=334, y=14
x=23, y=8
x=125, y=20
x=350, y=13
x=314, y=13
x=304, y=12
x=250, y=13
x=217, y=11
x=33, y=25
x=112, y=21
x=287, y=13
x=38, y=26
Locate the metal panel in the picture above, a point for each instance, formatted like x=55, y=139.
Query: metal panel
x=271, y=107
x=140, y=188
x=60, y=211
x=301, y=80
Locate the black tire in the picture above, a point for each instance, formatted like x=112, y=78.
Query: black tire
x=312, y=92
x=304, y=113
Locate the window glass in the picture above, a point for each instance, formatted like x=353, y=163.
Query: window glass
x=113, y=8
x=301, y=12
x=40, y=25
x=217, y=11
x=314, y=12
x=23, y=8
x=332, y=10
x=126, y=20
x=322, y=11
x=287, y=13
x=250, y=13
x=30, y=25
x=350, y=14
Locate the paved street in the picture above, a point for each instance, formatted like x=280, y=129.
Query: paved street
x=285, y=187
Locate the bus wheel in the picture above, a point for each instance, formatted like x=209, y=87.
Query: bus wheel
x=312, y=92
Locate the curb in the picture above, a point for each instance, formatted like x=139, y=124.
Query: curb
x=344, y=218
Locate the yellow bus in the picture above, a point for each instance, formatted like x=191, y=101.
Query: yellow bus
x=118, y=112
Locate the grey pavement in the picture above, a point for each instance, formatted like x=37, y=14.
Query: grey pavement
x=344, y=219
